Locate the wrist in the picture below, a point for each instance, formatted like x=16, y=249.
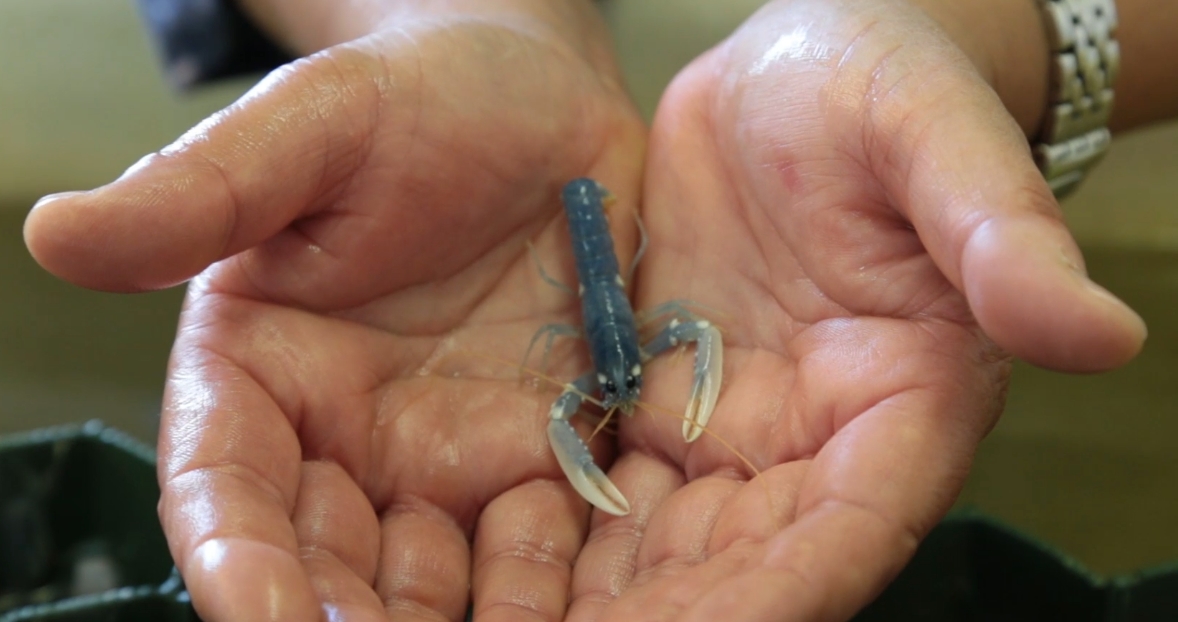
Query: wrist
x=307, y=26
x=1147, y=91
x=1008, y=45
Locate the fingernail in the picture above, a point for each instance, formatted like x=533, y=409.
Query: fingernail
x=1133, y=320
x=50, y=198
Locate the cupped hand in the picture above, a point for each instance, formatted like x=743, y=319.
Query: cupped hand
x=339, y=440
x=841, y=184
x=334, y=434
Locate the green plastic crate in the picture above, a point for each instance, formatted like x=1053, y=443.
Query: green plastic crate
x=165, y=603
x=77, y=520
x=973, y=568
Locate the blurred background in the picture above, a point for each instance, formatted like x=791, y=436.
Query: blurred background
x=1090, y=464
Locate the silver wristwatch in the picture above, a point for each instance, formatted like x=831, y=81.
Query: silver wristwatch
x=1085, y=61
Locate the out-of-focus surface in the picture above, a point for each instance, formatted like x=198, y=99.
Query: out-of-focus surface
x=81, y=99
x=1087, y=463
x=80, y=96
x=1090, y=462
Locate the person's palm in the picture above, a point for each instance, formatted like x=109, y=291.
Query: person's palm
x=333, y=428
x=787, y=170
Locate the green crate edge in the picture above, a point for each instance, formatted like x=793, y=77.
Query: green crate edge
x=172, y=587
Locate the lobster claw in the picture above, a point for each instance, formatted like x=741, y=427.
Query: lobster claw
x=705, y=387
x=586, y=477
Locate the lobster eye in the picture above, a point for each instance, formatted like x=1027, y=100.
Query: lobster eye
x=631, y=381
x=610, y=387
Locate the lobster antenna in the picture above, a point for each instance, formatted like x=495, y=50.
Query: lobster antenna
x=604, y=420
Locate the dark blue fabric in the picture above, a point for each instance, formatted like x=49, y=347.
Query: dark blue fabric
x=201, y=41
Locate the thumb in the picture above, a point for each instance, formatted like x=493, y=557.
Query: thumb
x=960, y=169
x=236, y=179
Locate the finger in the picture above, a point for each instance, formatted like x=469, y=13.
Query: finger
x=230, y=459
x=524, y=549
x=423, y=557
x=872, y=492
x=229, y=183
x=803, y=589
x=704, y=533
x=229, y=473
x=339, y=537
x=959, y=168
x=609, y=559
x=424, y=568
x=761, y=508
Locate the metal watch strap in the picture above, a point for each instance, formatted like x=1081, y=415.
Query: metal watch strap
x=1085, y=61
